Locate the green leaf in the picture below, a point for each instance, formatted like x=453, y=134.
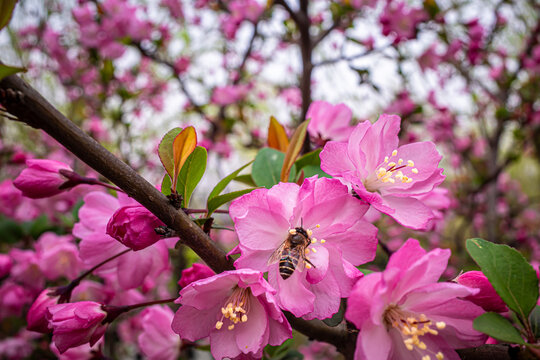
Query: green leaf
x=191, y=174
x=311, y=158
x=311, y=170
x=246, y=179
x=498, y=327
x=6, y=70
x=6, y=11
x=534, y=320
x=507, y=270
x=225, y=181
x=219, y=200
x=267, y=166
x=166, y=185
x=165, y=150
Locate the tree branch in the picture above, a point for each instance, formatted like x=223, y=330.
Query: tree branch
x=21, y=100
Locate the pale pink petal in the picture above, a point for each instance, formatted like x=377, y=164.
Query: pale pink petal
x=133, y=267
x=249, y=335
x=375, y=342
x=334, y=159
x=327, y=298
x=318, y=256
x=223, y=344
x=185, y=318
x=292, y=293
x=409, y=212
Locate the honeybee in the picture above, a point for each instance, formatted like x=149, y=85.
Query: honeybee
x=290, y=251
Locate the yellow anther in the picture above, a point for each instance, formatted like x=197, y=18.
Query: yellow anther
x=400, y=161
x=230, y=327
x=386, y=159
x=314, y=250
x=323, y=241
x=404, y=179
x=292, y=231
x=391, y=164
x=409, y=180
x=426, y=357
x=309, y=232
x=244, y=318
x=440, y=325
x=408, y=344
x=394, y=153
x=308, y=266
x=422, y=345
x=410, y=163
x=318, y=226
x=439, y=356
x=414, y=171
x=391, y=180
x=313, y=240
x=219, y=324
x=223, y=311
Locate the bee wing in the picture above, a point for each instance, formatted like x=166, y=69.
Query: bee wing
x=276, y=255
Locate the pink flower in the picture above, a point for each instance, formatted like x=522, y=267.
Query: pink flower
x=74, y=324
x=82, y=352
x=401, y=20
x=384, y=175
x=329, y=122
x=36, y=318
x=194, y=273
x=157, y=341
x=182, y=64
x=134, y=227
x=130, y=269
x=389, y=307
x=487, y=297
x=339, y=239
x=5, y=265
x=237, y=309
x=41, y=178
x=230, y=94
x=58, y=256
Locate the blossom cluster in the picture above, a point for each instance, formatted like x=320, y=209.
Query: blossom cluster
x=299, y=250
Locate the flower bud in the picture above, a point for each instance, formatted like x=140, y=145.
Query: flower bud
x=74, y=324
x=487, y=298
x=194, y=273
x=36, y=318
x=5, y=265
x=41, y=178
x=134, y=227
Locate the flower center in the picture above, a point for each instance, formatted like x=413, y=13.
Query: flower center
x=235, y=308
x=392, y=169
x=412, y=328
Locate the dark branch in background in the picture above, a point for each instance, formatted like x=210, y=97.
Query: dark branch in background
x=21, y=100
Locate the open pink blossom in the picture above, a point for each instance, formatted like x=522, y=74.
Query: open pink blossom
x=387, y=176
x=339, y=240
x=58, y=256
x=74, y=324
x=404, y=313
x=130, y=269
x=41, y=178
x=5, y=265
x=237, y=309
x=487, y=297
x=329, y=122
x=157, y=341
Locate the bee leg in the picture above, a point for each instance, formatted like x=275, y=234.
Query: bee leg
x=309, y=262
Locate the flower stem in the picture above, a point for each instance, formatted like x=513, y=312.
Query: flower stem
x=114, y=311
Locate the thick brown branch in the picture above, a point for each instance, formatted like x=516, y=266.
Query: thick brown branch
x=30, y=107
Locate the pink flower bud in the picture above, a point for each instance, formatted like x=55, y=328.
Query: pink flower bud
x=75, y=324
x=37, y=315
x=5, y=265
x=41, y=178
x=194, y=273
x=487, y=298
x=134, y=227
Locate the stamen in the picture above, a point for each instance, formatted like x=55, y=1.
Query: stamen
x=219, y=324
x=309, y=232
x=426, y=357
x=230, y=327
x=410, y=163
x=235, y=310
x=439, y=356
x=313, y=240
x=400, y=161
x=323, y=241
x=414, y=171
x=244, y=318
x=318, y=226
x=314, y=250
x=391, y=164
x=386, y=159
x=394, y=153
x=440, y=325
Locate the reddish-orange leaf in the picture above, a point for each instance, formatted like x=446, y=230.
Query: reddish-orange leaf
x=277, y=137
x=183, y=145
x=293, y=150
